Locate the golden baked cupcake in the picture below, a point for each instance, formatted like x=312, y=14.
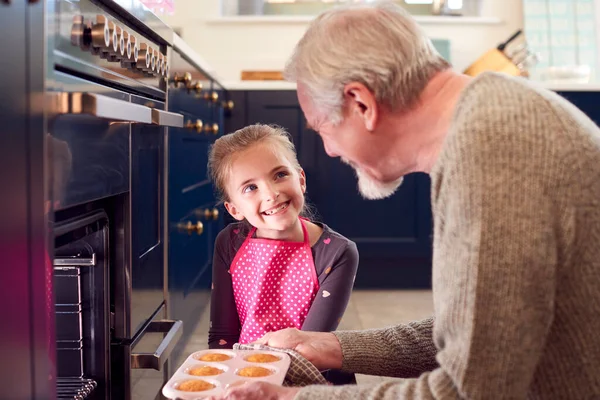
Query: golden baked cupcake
x=214, y=357
x=254, y=372
x=195, y=385
x=205, y=370
x=262, y=358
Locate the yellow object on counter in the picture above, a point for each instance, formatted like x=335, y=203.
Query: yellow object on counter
x=493, y=60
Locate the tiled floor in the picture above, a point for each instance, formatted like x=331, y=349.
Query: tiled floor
x=367, y=309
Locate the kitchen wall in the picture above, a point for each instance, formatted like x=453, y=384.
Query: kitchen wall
x=232, y=46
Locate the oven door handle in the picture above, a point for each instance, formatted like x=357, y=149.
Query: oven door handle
x=157, y=359
x=165, y=118
x=101, y=106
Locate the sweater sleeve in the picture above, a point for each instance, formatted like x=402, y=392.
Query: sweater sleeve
x=334, y=292
x=401, y=351
x=224, y=328
x=494, y=270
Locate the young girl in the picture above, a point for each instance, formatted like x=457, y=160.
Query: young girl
x=274, y=269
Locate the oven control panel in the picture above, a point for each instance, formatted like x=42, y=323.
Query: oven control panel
x=116, y=48
x=109, y=40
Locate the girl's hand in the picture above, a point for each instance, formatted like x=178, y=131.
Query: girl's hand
x=322, y=349
x=258, y=391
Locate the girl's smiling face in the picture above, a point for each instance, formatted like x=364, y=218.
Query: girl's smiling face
x=267, y=190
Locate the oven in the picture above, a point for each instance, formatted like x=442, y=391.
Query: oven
x=106, y=85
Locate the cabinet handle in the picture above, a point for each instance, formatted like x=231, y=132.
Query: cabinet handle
x=101, y=107
x=208, y=214
x=196, y=87
x=186, y=79
x=165, y=118
x=197, y=125
x=212, y=96
x=189, y=227
x=213, y=128
x=228, y=105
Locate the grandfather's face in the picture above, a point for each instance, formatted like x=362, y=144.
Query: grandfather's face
x=347, y=141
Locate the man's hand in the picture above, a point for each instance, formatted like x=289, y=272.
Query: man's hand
x=322, y=349
x=258, y=391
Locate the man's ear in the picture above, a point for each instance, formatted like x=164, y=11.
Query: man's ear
x=302, y=177
x=361, y=102
x=233, y=210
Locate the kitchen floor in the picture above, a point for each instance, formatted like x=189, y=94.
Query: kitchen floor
x=367, y=309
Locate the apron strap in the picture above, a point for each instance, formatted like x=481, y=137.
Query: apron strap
x=249, y=236
x=304, y=232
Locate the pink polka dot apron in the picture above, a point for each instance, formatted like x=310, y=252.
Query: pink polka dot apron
x=274, y=284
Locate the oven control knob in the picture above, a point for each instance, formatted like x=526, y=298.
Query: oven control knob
x=123, y=43
x=195, y=125
x=212, y=96
x=127, y=56
x=115, y=36
x=212, y=128
x=189, y=227
x=153, y=59
x=80, y=33
x=144, y=61
x=163, y=65
x=135, y=49
x=186, y=79
x=101, y=33
x=159, y=63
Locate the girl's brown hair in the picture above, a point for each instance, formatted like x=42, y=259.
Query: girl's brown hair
x=223, y=151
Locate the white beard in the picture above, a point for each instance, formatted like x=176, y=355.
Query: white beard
x=371, y=189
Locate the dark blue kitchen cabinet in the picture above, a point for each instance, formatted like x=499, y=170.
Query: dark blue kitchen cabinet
x=194, y=216
x=586, y=101
x=393, y=235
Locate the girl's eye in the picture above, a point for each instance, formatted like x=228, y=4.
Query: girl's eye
x=281, y=174
x=249, y=188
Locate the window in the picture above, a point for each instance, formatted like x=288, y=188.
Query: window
x=313, y=7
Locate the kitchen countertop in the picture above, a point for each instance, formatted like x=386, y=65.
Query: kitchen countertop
x=280, y=85
x=181, y=46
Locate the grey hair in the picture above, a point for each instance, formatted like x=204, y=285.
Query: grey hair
x=379, y=45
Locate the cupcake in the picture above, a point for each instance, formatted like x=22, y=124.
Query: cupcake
x=262, y=358
x=254, y=372
x=214, y=357
x=205, y=370
x=195, y=385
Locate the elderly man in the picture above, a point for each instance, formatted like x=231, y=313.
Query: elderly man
x=516, y=202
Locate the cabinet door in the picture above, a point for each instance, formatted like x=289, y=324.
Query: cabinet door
x=393, y=235
x=586, y=102
x=189, y=252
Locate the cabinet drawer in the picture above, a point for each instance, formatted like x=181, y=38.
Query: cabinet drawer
x=197, y=107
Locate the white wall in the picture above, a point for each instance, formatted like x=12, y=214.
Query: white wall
x=231, y=47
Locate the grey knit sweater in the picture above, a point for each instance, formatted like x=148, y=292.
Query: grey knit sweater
x=516, y=265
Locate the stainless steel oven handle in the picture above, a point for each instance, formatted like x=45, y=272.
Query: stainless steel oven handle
x=75, y=262
x=157, y=359
x=165, y=118
x=101, y=106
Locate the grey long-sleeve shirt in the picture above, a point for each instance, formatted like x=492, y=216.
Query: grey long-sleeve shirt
x=516, y=260
x=336, y=262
